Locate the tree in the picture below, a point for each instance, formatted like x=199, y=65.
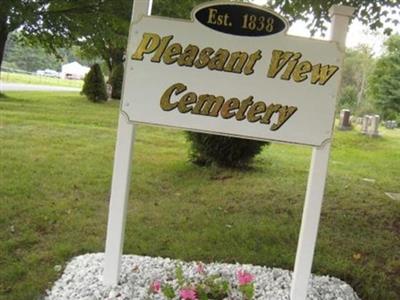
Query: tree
x=384, y=83
x=105, y=33
x=13, y=14
x=348, y=97
x=94, y=87
x=357, y=66
x=115, y=81
x=18, y=55
x=371, y=13
x=315, y=13
x=100, y=31
x=100, y=26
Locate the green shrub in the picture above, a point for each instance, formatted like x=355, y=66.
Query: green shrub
x=116, y=78
x=94, y=87
x=207, y=149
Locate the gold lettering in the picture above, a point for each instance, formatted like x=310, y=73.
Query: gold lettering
x=160, y=50
x=249, y=68
x=204, y=58
x=300, y=71
x=322, y=74
x=214, y=106
x=246, y=103
x=187, y=99
x=188, y=56
x=212, y=12
x=149, y=43
x=255, y=109
x=165, y=101
x=219, y=60
x=291, y=65
x=170, y=52
x=226, y=20
x=228, y=107
x=236, y=62
x=208, y=105
x=271, y=109
x=285, y=113
x=278, y=61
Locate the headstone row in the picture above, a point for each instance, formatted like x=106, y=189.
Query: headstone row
x=391, y=124
x=370, y=125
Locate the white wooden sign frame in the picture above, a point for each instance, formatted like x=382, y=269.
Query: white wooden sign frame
x=315, y=188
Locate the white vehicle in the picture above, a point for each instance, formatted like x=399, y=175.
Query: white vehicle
x=48, y=73
x=51, y=73
x=40, y=72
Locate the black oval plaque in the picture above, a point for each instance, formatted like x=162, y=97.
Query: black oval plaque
x=239, y=19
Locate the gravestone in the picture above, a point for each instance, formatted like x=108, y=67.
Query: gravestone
x=391, y=124
x=109, y=91
x=373, y=129
x=365, y=124
x=344, y=120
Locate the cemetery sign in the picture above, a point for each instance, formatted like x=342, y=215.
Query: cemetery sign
x=231, y=70
x=234, y=71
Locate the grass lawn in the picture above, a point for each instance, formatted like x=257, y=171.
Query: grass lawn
x=43, y=80
x=56, y=157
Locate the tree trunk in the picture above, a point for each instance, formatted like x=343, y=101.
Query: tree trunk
x=3, y=40
x=360, y=94
x=117, y=72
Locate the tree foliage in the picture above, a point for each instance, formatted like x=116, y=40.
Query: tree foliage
x=18, y=55
x=100, y=27
x=348, y=97
x=357, y=67
x=14, y=14
x=94, y=87
x=376, y=14
x=384, y=84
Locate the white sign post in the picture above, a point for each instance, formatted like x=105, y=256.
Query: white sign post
x=340, y=16
x=120, y=185
x=242, y=76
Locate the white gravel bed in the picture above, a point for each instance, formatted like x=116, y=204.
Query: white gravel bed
x=82, y=280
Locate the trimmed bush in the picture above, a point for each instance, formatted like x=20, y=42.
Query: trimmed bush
x=116, y=78
x=207, y=149
x=94, y=87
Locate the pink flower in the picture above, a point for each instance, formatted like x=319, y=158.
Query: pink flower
x=155, y=286
x=244, y=277
x=188, y=294
x=200, y=268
